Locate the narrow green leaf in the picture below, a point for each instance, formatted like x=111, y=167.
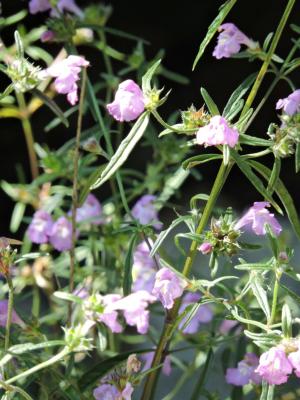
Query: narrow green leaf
x=163, y=234
x=28, y=347
x=238, y=94
x=274, y=175
x=236, y=108
x=260, y=294
x=297, y=158
x=200, y=159
x=90, y=182
x=255, y=266
x=286, y=321
x=226, y=154
x=213, y=28
x=17, y=216
x=52, y=105
x=282, y=193
x=211, y=105
x=201, y=196
x=19, y=45
x=123, y=151
x=127, y=277
x=7, y=91
x=291, y=293
x=146, y=79
x=253, y=141
x=68, y=297
x=171, y=186
x=256, y=182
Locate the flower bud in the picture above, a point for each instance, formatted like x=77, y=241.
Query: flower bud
x=133, y=364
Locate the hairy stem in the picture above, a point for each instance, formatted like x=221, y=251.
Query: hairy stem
x=75, y=188
x=9, y=312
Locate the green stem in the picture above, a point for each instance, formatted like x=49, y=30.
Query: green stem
x=40, y=366
x=27, y=129
x=198, y=387
x=9, y=312
x=75, y=187
x=269, y=56
x=167, y=126
x=274, y=301
x=12, y=389
x=172, y=314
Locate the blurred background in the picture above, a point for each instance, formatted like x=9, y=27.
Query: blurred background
x=178, y=28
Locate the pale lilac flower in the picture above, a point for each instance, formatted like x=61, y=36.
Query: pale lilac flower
x=36, y=6
x=294, y=359
x=129, y=102
x=40, y=227
x=168, y=287
x=106, y=392
x=145, y=212
x=134, y=307
x=217, y=132
x=101, y=309
x=91, y=210
x=3, y=315
x=203, y=315
x=205, y=248
x=127, y=392
x=245, y=372
x=230, y=40
x=148, y=358
x=290, y=104
x=274, y=366
x=67, y=73
x=133, y=364
x=61, y=234
x=143, y=269
x=227, y=325
x=257, y=216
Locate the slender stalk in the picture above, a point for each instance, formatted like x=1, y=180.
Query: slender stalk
x=198, y=387
x=15, y=389
x=275, y=299
x=40, y=366
x=27, y=129
x=9, y=312
x=171, y=316
x=269, y=56
x=75, y=187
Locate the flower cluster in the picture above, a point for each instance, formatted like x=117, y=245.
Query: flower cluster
x=168, y=287
x=291, y=104
x=245, y=372
x=217, y=132
x=36, y=6
x=43, y=229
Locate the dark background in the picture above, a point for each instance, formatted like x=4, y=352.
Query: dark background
x=178, y=27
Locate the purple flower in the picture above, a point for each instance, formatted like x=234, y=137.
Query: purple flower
x=168, y=287
x=61, y=234
x=101, y=309
x=245, y=372
x=290, y=104
x=143, y=269
x=47, y=36
x=36, y=6
x=40, y=227
x=230, y=40
x=227, y=325
x=3, y=315
x=129, y=102
x=294, y=359
x=274, y=366
x=205, y=248
x=106, y=392
x=217, y=132
x=148, y=358
x=203, y=315
x=90, y=210
x=134, y=307
x=67, y=73
x=145, y=212
x=127, y=391
x=257, y=216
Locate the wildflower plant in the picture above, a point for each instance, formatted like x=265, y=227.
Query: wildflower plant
x=102, y=296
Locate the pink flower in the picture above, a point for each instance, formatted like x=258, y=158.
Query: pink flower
x=168, y=287
x=67, y=73
x=227, y=325
x=47, y=36
x=143, y=269
x=101, y=309
x=294, y=359
x=148, y=358
x=106, y=392
x=127, y=391
x=205, y=248
x=217, y=132
x=36, y=6
x=245, y=372
x=129, y=102
x=134, y=307
x=61, y=234
x=145, y=212
x=40, y=227
x=3, y=315
x=274, y=366
x=90, y=211
x=230, y=40
x=203, y=315
x=291, y=104
x=257, y=216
